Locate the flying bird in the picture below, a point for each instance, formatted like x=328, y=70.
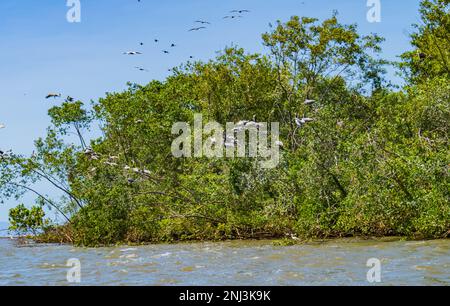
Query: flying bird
x=166, y=52
x=2, y=126
x=196, y=29
x=141, y=69
x=301, y=122
x=53, y=95
x=279, y=143
x=202, y=22
x=232, y=17
x=132, y=53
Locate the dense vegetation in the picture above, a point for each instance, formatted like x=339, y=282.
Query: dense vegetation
x=375, y=161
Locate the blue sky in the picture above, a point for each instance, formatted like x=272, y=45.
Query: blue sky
x=41, y=52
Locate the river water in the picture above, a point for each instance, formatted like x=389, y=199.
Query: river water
x=335, y=262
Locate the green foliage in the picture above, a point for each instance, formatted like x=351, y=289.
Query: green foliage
x=27, y=221
x=431, y=41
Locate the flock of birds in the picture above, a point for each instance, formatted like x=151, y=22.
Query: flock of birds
x=199, y=25
x=230, y=141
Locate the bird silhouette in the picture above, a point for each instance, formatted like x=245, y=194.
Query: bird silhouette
x=240, y=11
x=197, y=29
x=132, y=53
x=53, y=95
x=141, y=69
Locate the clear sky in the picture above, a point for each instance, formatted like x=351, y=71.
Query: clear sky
x=41, y=52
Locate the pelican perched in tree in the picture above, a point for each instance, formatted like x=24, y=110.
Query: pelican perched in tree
x=141, y=69
x=240, y=11
x=202, y=22
x=279, y=143
x=301, y=122
x=309, y=102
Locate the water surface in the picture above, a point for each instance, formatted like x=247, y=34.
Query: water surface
x=336, y=262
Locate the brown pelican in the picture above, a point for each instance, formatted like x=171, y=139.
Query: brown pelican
x=132, y=53
x=53, y=95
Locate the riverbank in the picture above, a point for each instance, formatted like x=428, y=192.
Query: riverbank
x=64, y=235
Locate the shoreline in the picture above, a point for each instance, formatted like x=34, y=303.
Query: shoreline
x=275, y=241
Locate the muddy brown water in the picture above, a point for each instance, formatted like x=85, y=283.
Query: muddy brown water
x=335, y=262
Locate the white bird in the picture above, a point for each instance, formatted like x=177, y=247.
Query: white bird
x=308, y=102
x=110, y=164
x=279, y=143
x=141, y=69
x=132, y=53
x=2, y=126
x=306, y=120
x=301, y=122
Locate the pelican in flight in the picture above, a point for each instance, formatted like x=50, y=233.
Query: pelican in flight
x=196, y=29
x=301, y=122
x=53, y=95
x=279, y=143
x=132, y=53
x=2, y=126
x=141, y=69
x=240, y=11
x=202, y=22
